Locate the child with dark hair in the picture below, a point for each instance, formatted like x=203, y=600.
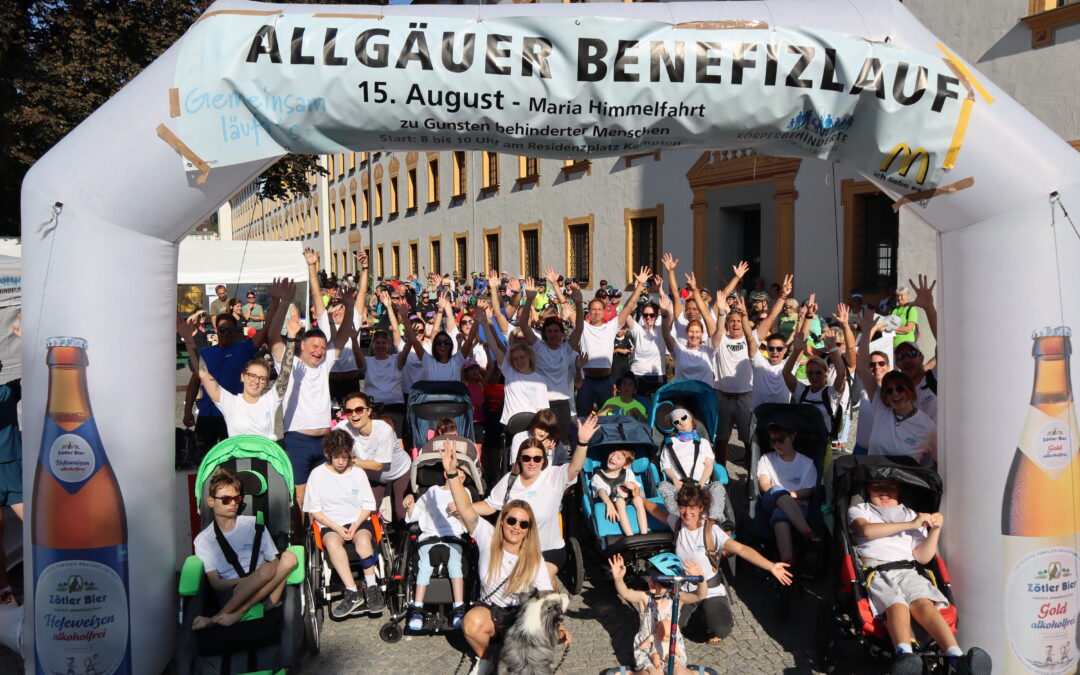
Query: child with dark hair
x=624, y=403
x=339, y=498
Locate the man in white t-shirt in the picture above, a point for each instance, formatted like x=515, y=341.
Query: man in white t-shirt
x=598, y=344
x=344, y=374
x=910, y=361
x=247, y=572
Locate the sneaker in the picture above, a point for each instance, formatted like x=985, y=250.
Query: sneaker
x=374, y=599
x=975, y=662
x=907, y=664
x=482, y=667
x=457, y=618
x=349, y=603
x=416, y=620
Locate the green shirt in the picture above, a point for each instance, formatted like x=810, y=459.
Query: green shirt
x=624, y=408
x=907, y=314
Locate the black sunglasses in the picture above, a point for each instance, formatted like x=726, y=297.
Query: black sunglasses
x=907, y=354
x=225, y=330
x=358, y=409
x=522, y=523
x=443, y=343
x=531, y=458
x=681, y=418
x=648, y=315
x=878, y=364
x=776, y=349
x=889, y=391
x=229, y=499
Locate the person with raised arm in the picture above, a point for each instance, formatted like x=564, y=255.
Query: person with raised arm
x=830, y=398
x=650, y=349
x=734, y=343
x=909, y=358
x=693, y=357
x=598, y=341
x=383, y=367
x=345, y=373
x=769, y=385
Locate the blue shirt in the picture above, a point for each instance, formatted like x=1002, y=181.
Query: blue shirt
x=10, y=436
x=225, y=364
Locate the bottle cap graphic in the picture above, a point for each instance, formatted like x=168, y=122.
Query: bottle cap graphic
x=1051, y=331
x=65, y=342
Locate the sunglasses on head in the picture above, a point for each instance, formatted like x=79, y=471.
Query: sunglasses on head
x=889, y=391
x=357, y=410
x=229, y=499
x=531, y=458
x=907, y=354
x=522, y=523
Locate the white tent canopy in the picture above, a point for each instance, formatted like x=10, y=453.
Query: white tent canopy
x=239, y=262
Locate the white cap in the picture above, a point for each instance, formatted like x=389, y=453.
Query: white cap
x=65, y=342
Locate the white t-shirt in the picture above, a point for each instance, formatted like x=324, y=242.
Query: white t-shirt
x=380, y=446
x=442, y=372
x=339, y=496
x=798, y=474
x=382, y=381
x=678, y=327
x=599, y=343
x=414, y=368
x=734, y=372
x=866, y=416
x=256, y=418
x=483, y=534
x=694, y=364
x=347, y=359
x=307, y=397
x=521, y=392
x=241, y=538
x=837, y=402
x=649, y=349
x=690, y=545
x=556, y=457
x=545, y=498
x=684, y=452
x=915, y=436
x=430, y=512
x=769, y=386
x=598, y=484
x=556, y=366
x=894, y=548
x=926, y=398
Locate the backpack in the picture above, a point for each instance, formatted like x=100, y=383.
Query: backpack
x=931, y=381
x=826, y=402
x=711, y=552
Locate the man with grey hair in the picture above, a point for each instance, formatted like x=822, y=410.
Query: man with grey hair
x=909, y=317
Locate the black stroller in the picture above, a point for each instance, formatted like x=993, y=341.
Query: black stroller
x=430, y=401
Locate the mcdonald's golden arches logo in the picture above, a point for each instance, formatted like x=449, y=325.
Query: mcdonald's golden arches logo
x=907, y=158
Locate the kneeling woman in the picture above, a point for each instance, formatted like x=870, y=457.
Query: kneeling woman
x=509, y=560
x=694, y=542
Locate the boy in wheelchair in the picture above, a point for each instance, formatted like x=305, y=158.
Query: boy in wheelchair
x=339, y=498
x=241, y=561
x=890, y=538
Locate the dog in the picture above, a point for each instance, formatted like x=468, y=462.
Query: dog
x=530, y=646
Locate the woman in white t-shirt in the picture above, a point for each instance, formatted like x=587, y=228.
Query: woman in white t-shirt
x=687, y=458
x=253, y=410
x=693, y=360
x=830, y=399
x=378, y=452
x=650, y=348
x=787, y=480
x=383, y=367
x=442, y=364
x=691, y=543
x=524, y=389
x=532, y=479
x=509, y=559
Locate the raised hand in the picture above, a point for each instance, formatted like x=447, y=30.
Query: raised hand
x=575, y=292
x=741, y=269
x=842, y=313
x=788, y=286
x=483, y=307
x=581, y=360
x=362, y=258
x=721, y=303
x=530, y=286
x=348, y=295
x=658, y=281
x=669, y=263
x=691, y=281
x=586, y=428
x=740, y=305
x=292, y=324
x=868, y=320
x=811, y=306
x=692, y=569
x=514, y=284
x=184, y=328
x=283, y=289
x=384, y=298
x=924, y=294
x=618, y=567
x=311, y=256
x=798, y=344
x=493, y=277
x=551, y=275
x=642, y=277
x=830, y=341
x=665, y=304
x=449, y=458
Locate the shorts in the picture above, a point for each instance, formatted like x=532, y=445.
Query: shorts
x=556, y=556
x=11, y=483
x=324, y=530
x=719, y=619
x=902, y=587
x=767, y=505
x=305, y=452
x=423, y=562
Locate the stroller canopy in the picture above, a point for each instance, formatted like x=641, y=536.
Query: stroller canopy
x=621, y=431
x=921, y=489
x=430, y=401
x=427, y=468
x=241, y=447
x=694, y=395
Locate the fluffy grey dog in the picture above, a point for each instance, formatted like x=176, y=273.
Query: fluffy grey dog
x=531, y=645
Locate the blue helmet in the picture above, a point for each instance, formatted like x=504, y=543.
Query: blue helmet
x=668, y=563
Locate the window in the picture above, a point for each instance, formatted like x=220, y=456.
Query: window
x=579, y=249
x=871, y=237
x=433, y=178
x=461, y=258
x=644, y=236
x=412, y=189
x=1046, y=15
x=393, y=196
x=330, y=161
x=528, y=167
x=491, y=170
x=352, y=161
x=333, y=217
x=491, y=251
x=352, y=208
x=436, y=256
x=575, y=165
x=414, y=258
x=333, y=262
x=379, y=260
x=341, y=165
x=378, y=201
x=395, y=260
x=460, y=186
x=530, y=250
x=366, y=215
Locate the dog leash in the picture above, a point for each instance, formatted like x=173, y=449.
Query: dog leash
x=559, y=664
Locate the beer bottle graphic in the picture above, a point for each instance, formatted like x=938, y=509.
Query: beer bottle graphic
x=1040, y=519
x=79, y=530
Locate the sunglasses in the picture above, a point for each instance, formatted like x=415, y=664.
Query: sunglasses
x=648, y=315
x=357, y=410
x=680, y=418
x=775, y=349
x=777, y=439
x=878, y=364
x=531, y=458
x=465, y=322
x=907, y=354
x=889, y=391
x=229, y=499
x=522, y=523
x=815, y=373
x=443, y=343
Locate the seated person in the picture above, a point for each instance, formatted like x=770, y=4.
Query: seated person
x=544, y=427
x=430, y=511
x=612, y=485
x=624, y=403
x=651, y=644
x=787, y=480
x=687, y=458
x=243, y=575
x=339, y=498
x=886, y=531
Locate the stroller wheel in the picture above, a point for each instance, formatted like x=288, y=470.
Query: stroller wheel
x=312, y=620
x=573, y=573
x=390, y=632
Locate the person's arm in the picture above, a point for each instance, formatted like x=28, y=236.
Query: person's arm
x=446, y=310
x=652, y=508
x=361, y=306
x=524, y=311
x=747, y=329
x=462, y=501
x=346, y=329
x=496, y=306
x=792, y=360
x=370, y=464
x=851, y=348
x=213, y=389
x=764, y=482
x=740, y=271
x=862, y=361
x=765, y=327
x=641, y=279
x=926, y=551
x=777, y=569
x=311, y=256
x=703, y=309
x=471, y=339
x=218, y=584
x=924, y=300
x=665, y=315
x=701, y=591
x=579, y=317
x=189, y=399
x=707, y=472
x=611, y=513
x=618, y=574
x=867, y=530
x=909, y=323
x=513, y=284
x=293, y=332
x=411, y=341
x=586, y=429
x=493, y=344
x=553, y=281
x=282, y=292
x=186, y=331
x=670, y=264
x=840, y=381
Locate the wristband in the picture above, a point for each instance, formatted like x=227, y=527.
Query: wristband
x=452, y=475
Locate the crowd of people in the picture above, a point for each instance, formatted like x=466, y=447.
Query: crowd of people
x=538, y=346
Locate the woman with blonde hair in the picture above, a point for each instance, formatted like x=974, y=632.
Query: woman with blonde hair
x=510, y=562
x=525, y=389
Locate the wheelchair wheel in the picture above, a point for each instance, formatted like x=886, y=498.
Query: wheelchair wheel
x=572, y=574
x=314, y=572
x=390, y=632
x=313, y=618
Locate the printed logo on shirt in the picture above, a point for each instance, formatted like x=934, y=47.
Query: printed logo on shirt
x=911, y=440
x=736, y=346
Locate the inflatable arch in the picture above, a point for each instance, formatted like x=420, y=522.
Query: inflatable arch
x=862, y=83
